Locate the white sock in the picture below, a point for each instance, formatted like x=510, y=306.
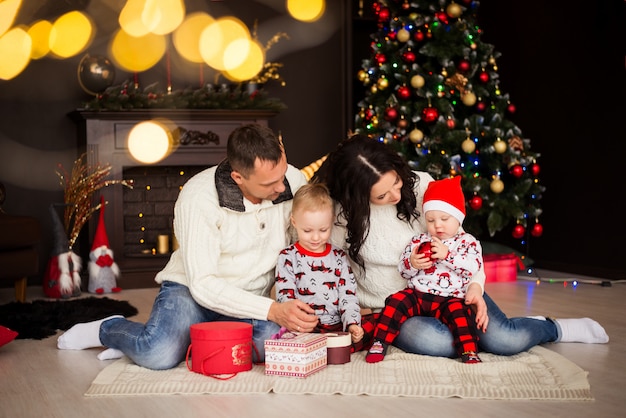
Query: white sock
x=582, y=330
x=110, y=354
x=539, y=317
x=81, y=336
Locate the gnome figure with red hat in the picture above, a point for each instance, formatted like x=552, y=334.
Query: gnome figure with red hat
x=62, y=276
x=103, y=271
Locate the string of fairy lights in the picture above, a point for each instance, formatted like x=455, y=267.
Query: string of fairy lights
x=160, y=245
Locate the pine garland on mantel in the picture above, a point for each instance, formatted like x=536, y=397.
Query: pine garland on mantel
x=127, y=96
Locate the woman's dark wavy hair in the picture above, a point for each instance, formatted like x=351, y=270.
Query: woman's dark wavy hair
x=350, y=172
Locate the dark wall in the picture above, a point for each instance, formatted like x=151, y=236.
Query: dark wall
x=560, y=65
x=563, y=65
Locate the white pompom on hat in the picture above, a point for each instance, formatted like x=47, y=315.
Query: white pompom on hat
x=446, y=195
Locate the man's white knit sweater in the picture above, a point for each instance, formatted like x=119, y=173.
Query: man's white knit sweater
x=228, y=246
x=381, y=250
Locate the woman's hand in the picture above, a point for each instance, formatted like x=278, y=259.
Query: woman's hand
x=474, y=297
x=294, y=315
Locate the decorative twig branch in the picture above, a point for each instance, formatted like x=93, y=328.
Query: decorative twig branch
x=79, y=187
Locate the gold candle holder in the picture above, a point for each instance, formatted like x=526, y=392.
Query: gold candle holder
x=163, y=244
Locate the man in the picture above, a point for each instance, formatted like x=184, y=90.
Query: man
x=231, y=222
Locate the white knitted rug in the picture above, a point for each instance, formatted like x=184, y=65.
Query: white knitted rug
x=537, y=374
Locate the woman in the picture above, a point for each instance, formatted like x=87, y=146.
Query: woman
x=378, y=195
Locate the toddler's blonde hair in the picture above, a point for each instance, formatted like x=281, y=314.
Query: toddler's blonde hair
x=312, y=197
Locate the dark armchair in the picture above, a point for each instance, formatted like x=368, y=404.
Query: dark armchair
x=19, y=258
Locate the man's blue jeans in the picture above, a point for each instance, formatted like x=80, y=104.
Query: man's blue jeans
x=162, y=342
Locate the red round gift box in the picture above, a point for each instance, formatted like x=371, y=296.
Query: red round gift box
x=220, y=347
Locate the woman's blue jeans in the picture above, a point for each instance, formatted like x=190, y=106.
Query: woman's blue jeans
x=504, y=336
x=162, y=342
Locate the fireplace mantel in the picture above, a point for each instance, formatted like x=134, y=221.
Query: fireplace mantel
x=103, y=135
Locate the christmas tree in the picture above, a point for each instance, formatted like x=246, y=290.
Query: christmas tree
x=433, y=93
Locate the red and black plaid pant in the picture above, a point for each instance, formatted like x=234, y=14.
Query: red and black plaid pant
x=407, y=303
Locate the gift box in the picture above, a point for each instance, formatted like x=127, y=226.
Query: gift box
x=221, y=347
x=295, y=354
x=338, y=345
x=502, y=267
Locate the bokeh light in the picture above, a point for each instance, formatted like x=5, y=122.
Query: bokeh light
x=163, y=16
x=186, y=37
x=217, y=36
x=40, y=34
x=70, y=34
x=306, y=10
x=136, y=54
x=15, y=47
x=252, y=63
x=8, y=11
x=140, y=17
x=149, y=141
x=130, y=18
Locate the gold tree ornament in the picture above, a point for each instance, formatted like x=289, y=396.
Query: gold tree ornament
x=79, y=187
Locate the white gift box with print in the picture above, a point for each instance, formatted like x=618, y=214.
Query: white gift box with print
x=295, y=354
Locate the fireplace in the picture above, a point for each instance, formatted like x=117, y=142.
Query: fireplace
x=135, y=218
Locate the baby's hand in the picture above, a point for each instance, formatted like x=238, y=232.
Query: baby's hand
x=420, y=261
x=356, y=332
x=440, y=250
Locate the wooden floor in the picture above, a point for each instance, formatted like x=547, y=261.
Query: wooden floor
x=38, y=380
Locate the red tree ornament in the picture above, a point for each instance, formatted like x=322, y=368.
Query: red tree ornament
x=430, y=114
x=442, y=17
x=451, y=123
x=517, y=171
x=537, y=230
x=419, y=36
x=409, y=57
x=391, y=114
x=481, y=106
x=518, y=231
x=404, y=92
x=476, y=202
x=380, y=58
x=425, y=248
x=383, y=14
x=464, y=65
x=511, y=108
x=483, y=76
x=535, y=169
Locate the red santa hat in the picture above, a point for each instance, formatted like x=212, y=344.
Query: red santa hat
x=446, y=195
x=100, y=239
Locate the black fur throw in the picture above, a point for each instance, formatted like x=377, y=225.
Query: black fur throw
x=41, y=319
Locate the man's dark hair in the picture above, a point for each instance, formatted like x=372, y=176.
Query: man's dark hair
x=249, y=142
